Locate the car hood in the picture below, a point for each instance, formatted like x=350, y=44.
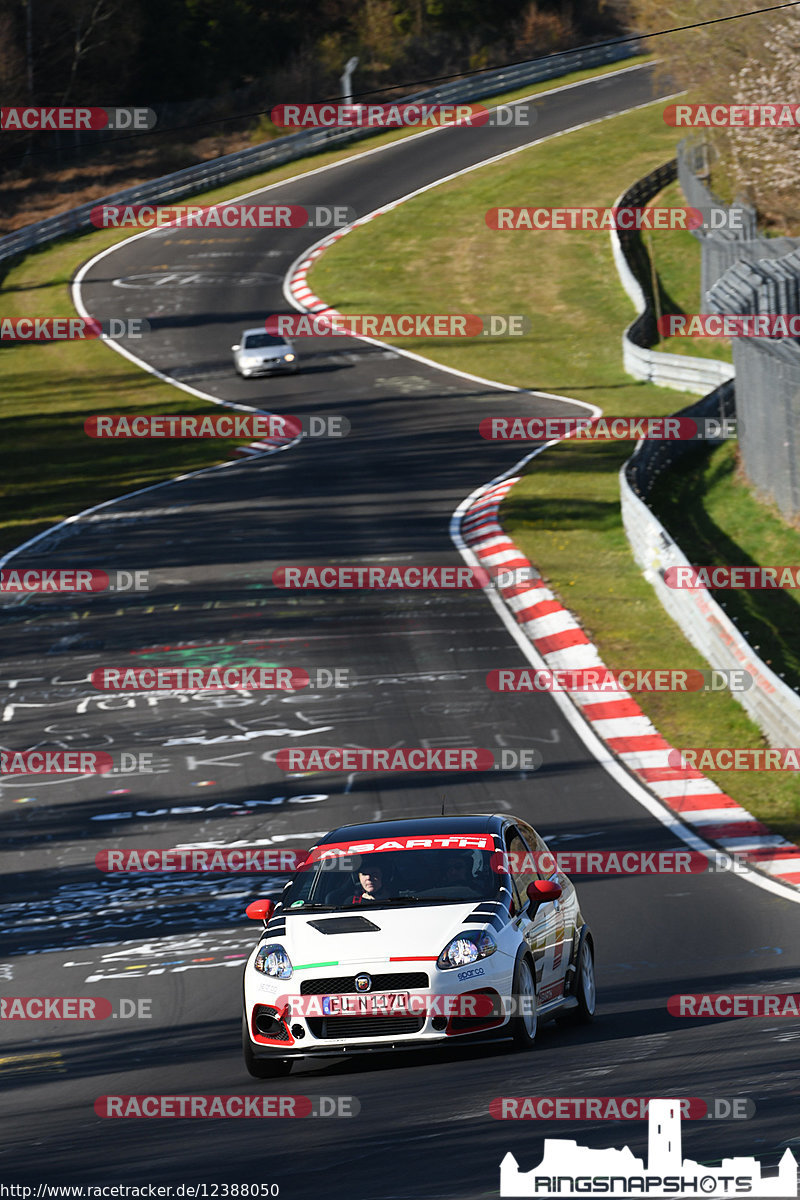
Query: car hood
x=342, y=938
x=266, y=352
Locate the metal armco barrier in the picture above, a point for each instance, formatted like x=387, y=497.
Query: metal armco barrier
x=772, y=704
x=229, y=168
x=682, y=371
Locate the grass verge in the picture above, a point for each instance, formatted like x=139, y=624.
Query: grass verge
x=51, y=469
x=564, y=513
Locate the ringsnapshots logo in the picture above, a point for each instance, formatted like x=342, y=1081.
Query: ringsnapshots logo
x=26, y=119
x=570, y=1170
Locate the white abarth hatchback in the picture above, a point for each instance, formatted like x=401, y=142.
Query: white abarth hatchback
x=400, y=934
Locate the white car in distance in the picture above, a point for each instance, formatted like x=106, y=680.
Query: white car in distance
x=261, y=353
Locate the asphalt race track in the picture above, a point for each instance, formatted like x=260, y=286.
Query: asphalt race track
x=418, y=662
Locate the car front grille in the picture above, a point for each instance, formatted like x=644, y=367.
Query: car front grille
x=337, y=1028
x=401, y=981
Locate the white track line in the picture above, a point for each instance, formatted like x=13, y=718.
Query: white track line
x=299, y=294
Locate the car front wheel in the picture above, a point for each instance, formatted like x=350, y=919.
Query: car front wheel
x=585, y=990
x=525, y=1019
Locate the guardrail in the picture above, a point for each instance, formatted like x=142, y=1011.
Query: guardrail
x=773, y=705
x=229, y=168
x=681, y=371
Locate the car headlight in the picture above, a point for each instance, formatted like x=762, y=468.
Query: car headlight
x=466, y=948
x=273, y=960
x=288, y=358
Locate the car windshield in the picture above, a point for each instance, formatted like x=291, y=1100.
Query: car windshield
x=257, y=341
x=410, y=877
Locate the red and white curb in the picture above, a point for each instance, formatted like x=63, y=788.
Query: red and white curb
x=265, y=446
x=620, y=723
x=560, y=641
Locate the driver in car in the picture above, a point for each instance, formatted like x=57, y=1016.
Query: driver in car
x=370, y=881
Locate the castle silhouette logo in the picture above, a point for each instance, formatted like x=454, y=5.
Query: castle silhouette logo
x=568, y=1169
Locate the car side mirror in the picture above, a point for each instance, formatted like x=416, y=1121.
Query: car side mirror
x=543, y=891
x=260, y=910
x=236, y=347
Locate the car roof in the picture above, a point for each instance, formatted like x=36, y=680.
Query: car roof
x=408, y=826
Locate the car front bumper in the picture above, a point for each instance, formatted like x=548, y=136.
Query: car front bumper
x=276, y=1032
